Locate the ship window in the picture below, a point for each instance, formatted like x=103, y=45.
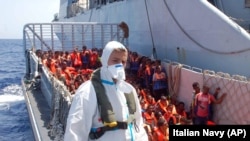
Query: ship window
x=247, y=3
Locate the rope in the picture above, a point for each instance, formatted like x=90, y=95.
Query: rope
x=61, y=100
x=174, y=79
x=196, y=42
x=154, y=50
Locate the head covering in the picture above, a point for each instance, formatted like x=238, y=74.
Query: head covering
x=105, y=73
x=110, y=46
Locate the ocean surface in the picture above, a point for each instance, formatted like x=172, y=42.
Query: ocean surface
x=14, y=119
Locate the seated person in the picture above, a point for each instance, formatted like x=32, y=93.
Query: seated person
x=181, y=109
x=149, y=115
x=151, y=100
x=171, y=115
x=161, y=131
x=162, y=104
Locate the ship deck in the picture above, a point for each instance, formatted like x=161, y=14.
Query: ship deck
x=39, y=112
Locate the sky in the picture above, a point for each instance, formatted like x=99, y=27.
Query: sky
x=16, y=13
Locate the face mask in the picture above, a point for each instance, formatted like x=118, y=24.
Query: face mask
x=117, y=71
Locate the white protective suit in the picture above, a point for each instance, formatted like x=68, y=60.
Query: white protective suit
x=84, y=113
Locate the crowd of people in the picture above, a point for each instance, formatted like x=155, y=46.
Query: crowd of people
x=148, y=76
x=72, y=68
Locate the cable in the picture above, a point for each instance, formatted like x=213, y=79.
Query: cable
x=154, y=50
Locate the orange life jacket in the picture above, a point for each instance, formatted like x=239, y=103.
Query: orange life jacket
x=183, y=114
x=76, y=59
x=162, y=107
x=149, y=118
x=93, y=59
x=143, y=94
x=67, y=74
x=86, y=71
x=151, y=101
x=210, y=122
x=170, y=116
x=52, y=66
x=158, y=135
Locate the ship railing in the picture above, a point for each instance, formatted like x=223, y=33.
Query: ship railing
x=207, y=72
x=66, y=36
x=61, y=37
x=56, y=94
x=236, y=88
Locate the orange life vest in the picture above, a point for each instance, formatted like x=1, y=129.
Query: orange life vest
x=76, y=59
x=210, y=122
x=170, y=118
x=52, y=66
x=149, y=118
x=143, y=94
x=158, y=135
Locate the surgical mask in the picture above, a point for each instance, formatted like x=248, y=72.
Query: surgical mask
x=117, y=71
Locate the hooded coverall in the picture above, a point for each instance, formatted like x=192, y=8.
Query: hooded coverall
x=84, y=113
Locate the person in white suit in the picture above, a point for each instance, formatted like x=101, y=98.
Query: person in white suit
x=85, y=117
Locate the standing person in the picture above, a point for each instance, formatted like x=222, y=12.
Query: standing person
x=76, y=59
x=159, y=83
x=196, y=90
x=217, y=91
x=125, y=30
x=202, y=105
x=92, y=118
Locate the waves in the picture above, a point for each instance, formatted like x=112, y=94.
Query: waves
x=4, y=107
x=14, y=119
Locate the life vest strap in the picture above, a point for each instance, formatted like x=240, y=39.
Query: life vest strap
x=96, y=133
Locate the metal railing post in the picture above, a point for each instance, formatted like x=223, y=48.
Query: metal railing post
x=34, y=37
x=41, y=34
x=62, y=38
x=82, y=34
x=52, y=37
x=93, y=36
x=73, y=36
x=102, y=36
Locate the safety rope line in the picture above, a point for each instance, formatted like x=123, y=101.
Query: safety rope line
x=150, y=28
x=60, y=101
x=174, y=79
x=58, y=130
x=196, y=42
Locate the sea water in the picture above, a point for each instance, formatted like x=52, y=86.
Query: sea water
x=14, y=119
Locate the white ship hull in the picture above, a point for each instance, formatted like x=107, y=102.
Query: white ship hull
x=190, y=32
